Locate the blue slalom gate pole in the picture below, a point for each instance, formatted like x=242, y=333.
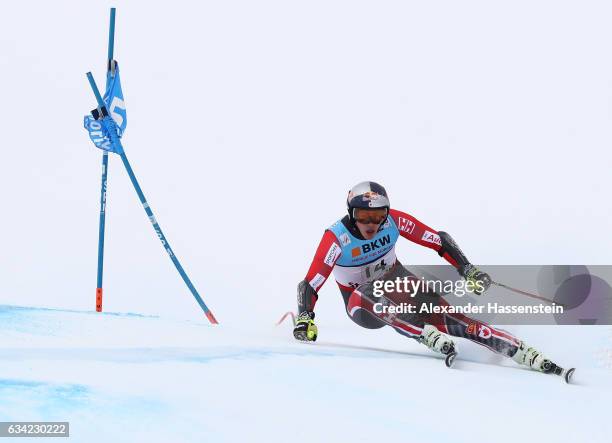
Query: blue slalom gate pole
x=111, y=34
x=115, y=140
x=103, y=187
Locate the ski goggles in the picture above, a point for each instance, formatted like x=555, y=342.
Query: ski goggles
x=370, y=216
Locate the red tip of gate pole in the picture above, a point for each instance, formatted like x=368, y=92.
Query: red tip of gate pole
x=99, y=299
x=211, y=318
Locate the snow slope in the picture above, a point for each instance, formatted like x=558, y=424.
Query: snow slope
x=128, y=377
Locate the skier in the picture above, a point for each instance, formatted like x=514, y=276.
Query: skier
x=360, y=249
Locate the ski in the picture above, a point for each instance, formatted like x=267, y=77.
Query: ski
x=565, y=373
x=551, y=368
x=567, y=376
x=450, y=358
x=451, y=354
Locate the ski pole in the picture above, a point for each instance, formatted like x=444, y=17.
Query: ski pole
x=285, y=315
x=528, y=294
x=115, y=141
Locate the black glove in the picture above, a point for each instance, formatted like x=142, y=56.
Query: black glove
x=305, y=328
x=480, y=280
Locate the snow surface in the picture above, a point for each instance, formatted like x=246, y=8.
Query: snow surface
x=132, y=378
x=287, y=104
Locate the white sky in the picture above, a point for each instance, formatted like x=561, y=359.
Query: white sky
x=249, y=121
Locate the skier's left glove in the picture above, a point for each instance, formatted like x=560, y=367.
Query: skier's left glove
x=305, y=328
x=480, y=280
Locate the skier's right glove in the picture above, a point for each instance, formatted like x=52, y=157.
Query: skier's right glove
x=305, y=328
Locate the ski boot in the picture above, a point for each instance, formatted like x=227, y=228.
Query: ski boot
x=439, y=342
x=533, y=358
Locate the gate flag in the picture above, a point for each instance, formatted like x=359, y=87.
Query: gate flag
x=105, y=130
